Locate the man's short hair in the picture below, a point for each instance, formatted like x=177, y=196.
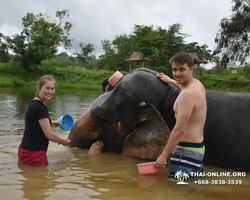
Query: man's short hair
x=182, y=58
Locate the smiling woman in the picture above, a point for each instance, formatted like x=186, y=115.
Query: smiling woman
x=38, y=131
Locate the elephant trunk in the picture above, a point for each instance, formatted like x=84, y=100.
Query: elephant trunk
x=83, y=133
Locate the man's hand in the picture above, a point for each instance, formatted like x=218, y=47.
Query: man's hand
x=161, y=161
x=142, y=103
x=164, y=77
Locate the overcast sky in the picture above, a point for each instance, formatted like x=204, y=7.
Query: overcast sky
x=96, y=20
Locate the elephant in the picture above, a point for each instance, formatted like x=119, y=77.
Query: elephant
x=136, y=117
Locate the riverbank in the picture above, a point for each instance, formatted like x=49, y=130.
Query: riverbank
x=12, y=75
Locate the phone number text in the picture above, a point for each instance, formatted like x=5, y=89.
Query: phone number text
x=218, y=182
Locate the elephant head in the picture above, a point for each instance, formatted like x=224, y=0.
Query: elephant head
x=134, y=118
x=121, y=122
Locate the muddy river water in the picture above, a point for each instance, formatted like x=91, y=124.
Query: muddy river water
x=72, y=174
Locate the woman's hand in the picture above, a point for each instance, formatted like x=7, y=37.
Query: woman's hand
x=55, y=123
x=66, y=142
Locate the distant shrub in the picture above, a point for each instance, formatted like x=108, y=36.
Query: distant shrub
x=246, y=71
x=233, y=77
x=18, y=82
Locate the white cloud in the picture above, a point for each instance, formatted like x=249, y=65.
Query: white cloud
x=96, y=20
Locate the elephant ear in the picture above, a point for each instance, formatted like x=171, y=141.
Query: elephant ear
x=149, y=136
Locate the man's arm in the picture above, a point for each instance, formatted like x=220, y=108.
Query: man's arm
x=184, y=112
x=167, y=79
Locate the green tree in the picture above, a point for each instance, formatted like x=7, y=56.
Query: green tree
x=115, y=53
x=124, y=47
x=204, y=52
x=40, y=37
x=4, y=54
x=232, y=39
x=107, y=60
x=63, y=54
x=160, y=44
x=86, y=54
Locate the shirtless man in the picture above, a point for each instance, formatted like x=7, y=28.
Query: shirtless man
x=186, y=139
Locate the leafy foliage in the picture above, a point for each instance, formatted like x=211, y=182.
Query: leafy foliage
x=158, y=44
x=245, y=70
x=204, y=52
x=85, y=56
x=232, y=39
x=4, y=54
x=115, y=53
x=40, y=38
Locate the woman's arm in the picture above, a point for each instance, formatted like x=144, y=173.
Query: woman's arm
x=55, y=123
x=45, y=125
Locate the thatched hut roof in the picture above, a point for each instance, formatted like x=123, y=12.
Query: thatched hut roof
x=137, y=57
x=196, y=58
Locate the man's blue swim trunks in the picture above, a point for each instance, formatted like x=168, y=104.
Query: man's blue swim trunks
x=187, y=157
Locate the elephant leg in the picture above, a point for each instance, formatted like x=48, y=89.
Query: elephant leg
x=150, y=135
x=96, y=148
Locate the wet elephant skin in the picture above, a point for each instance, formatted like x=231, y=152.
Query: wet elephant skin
x=125, y=127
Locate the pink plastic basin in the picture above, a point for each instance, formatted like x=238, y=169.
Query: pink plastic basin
x=147, y=168
x=115, y=78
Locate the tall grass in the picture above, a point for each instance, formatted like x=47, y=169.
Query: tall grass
x=13, y=75
x=230, y=82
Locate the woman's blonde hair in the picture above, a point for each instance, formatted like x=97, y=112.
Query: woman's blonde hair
x=41, y=82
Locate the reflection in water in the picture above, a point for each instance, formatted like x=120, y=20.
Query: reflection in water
x=73, y=174
x=146, y=181
x=36, y=183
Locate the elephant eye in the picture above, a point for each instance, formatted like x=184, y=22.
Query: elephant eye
x=101, y=116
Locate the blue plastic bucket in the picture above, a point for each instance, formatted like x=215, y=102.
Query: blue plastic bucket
x=66, y=122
